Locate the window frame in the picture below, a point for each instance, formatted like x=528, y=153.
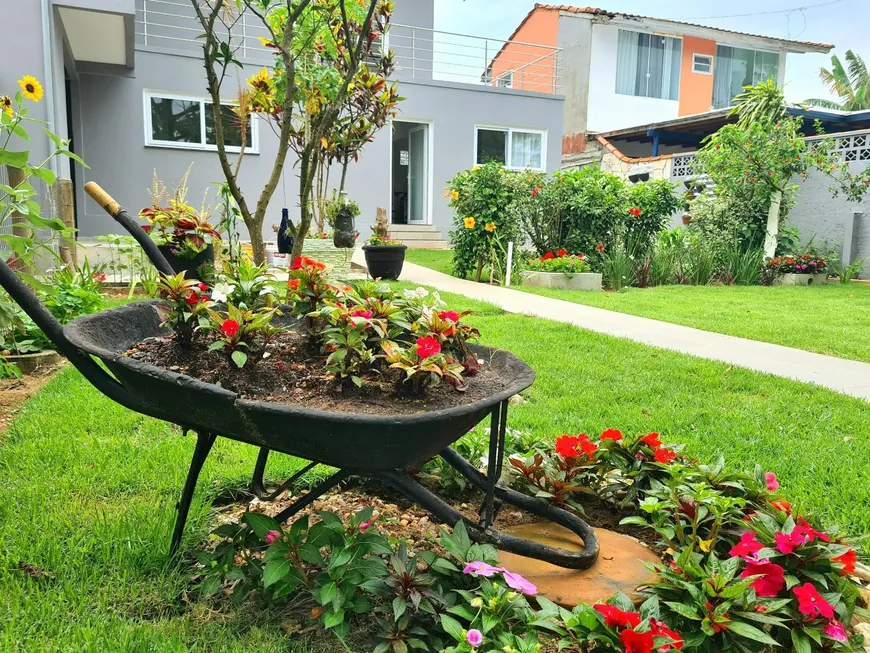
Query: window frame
x=505, y=80
x=510, y=130
x=708, y=57
x=202, y=145
x=651, y=34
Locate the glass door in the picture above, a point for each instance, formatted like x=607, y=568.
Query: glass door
x=418, y=175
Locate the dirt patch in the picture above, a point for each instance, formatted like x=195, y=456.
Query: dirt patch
x=15, y=392
x=293, y=374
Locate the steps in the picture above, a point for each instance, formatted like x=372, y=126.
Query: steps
x=418, y=236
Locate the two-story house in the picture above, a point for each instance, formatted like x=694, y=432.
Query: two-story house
x=124, y=79
x=620, y=70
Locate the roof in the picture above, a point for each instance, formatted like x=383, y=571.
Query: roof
x=800, y=46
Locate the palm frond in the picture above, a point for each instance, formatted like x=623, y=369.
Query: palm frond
x=837, y=79
x=858, y=72
x=824, y=104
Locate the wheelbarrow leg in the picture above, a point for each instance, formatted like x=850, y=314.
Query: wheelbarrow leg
x=204, y=442
x=258, y=487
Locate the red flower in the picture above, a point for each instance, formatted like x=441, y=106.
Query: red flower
x=788, y=542
x=548, y=256
x=665, y=456
x=191, y=298
x=634, y=211
x=589, y=448
x=427, y=347
x=203, y=287
x=721, y=623
x=659, y=629
x=367, y=315
x=616, y=618
x=453, y=316
x=612, y=434
x=835, y=631
x=747, y=548
x=848, y=561
x=599, y=247
x=561, y=253
x=770, y=579
x=772, y=483
x=305, y=262
x=566, y=446
x=809, y=532
x=293, y=284
x=635, y=642
x=98, y=276
x=230, y=328
x=811, y=603
x=652, y=440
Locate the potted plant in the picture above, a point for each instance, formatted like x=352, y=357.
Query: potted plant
x=384, y=256
x=184, y=235
x=561, y=270
x=798, y=270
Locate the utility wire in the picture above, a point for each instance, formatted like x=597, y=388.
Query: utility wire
x=766, y=13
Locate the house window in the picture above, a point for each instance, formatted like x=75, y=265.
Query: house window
x=505, y=80
x=188, y=122
x=702, y=63
x=738, y=67
x=513, y=148
x=648, y=65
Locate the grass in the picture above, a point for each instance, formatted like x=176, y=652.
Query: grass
x=829, y=319
x=89, y=487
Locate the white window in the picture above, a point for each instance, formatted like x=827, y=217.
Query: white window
x=739, y=67
x=505, y=80
x=513, y=148
x=188, y=122
x=702, y=63
x=648, y=65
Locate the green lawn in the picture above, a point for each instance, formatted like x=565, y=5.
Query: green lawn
x=88, y=488
x=832, y=319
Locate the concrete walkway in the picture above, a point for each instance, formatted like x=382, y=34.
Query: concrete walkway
x=845, y=376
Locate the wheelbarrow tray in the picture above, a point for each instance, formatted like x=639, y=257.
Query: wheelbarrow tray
x=362, y=442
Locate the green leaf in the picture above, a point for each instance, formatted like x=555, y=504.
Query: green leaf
x=683, y=609
x=751, y=632
x=275, y=570
x=800, y=641
x=45, y=174
x=261, y=524
x=74, y=157
x=452, y=627
x=218, y=344
x=210, y=585
x=333, y=619
x=239, y=358
x=13, y=159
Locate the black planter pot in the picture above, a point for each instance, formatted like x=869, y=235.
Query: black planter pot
x=189, y=266
x=385, y=261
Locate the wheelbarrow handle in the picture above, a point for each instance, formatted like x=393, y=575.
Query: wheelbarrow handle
x=121, y=216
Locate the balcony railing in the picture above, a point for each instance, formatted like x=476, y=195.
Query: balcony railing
x=420, y=53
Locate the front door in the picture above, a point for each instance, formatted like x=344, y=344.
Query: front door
x=418, y=175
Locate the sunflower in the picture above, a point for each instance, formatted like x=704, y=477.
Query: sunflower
x=6, y=104
x=490, y=227
x=31, y=88
x=469, y=223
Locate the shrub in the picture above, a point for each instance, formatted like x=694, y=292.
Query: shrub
x=561, y=261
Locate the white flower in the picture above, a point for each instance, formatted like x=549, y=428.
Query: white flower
x=419, y=293
x=222, y=292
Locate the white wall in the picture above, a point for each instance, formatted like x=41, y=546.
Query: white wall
x=607, y=110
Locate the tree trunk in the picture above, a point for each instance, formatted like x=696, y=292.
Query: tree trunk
x=258, y=245
x=772, y=224
x=479, y=268
x=306, y=184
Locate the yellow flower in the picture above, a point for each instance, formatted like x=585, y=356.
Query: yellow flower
x=490, y=226
x=705, y=545
x=262, y=81
x=447, y=194
x=31, y=88
x=6, y=104
x=469, y=223
x=455, y=195
x=475, y=169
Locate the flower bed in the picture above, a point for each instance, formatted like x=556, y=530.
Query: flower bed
x=742, y=568
x=561, y=270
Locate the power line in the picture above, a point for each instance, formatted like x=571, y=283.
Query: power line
x=766, y=13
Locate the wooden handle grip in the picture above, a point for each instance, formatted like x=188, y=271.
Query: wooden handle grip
x=102, y=198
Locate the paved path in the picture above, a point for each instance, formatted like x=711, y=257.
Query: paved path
x=845, y=376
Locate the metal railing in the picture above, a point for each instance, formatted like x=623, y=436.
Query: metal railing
x=420, y=53
x=423, y=53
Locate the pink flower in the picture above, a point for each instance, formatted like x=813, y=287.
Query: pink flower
x=474, y=637
x=481, y=569
x=519, y=583
x=772, y=483
x=427, y=346
x=835, y=631
x=365, y=525
x=770, y=581
x=811, y=603
x=364, y=314
x=788, y=542
x=747, y=548
x=271, y=536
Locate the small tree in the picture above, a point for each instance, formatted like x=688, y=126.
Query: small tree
x=321, y=47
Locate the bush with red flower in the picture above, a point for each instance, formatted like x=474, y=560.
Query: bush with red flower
x=798, y=264
x=174, y=223
x=241, y=332
x=559, y=261
x=186, y=305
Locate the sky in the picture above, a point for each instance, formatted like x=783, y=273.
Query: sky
x=843, y=23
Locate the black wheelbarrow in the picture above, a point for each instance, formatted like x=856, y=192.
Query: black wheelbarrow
x=366, y=446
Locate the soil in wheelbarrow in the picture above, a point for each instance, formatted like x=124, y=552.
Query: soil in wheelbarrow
x=292, y=374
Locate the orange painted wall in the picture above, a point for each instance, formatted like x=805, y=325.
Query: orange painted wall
x=533, y=67
x=696, y=89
